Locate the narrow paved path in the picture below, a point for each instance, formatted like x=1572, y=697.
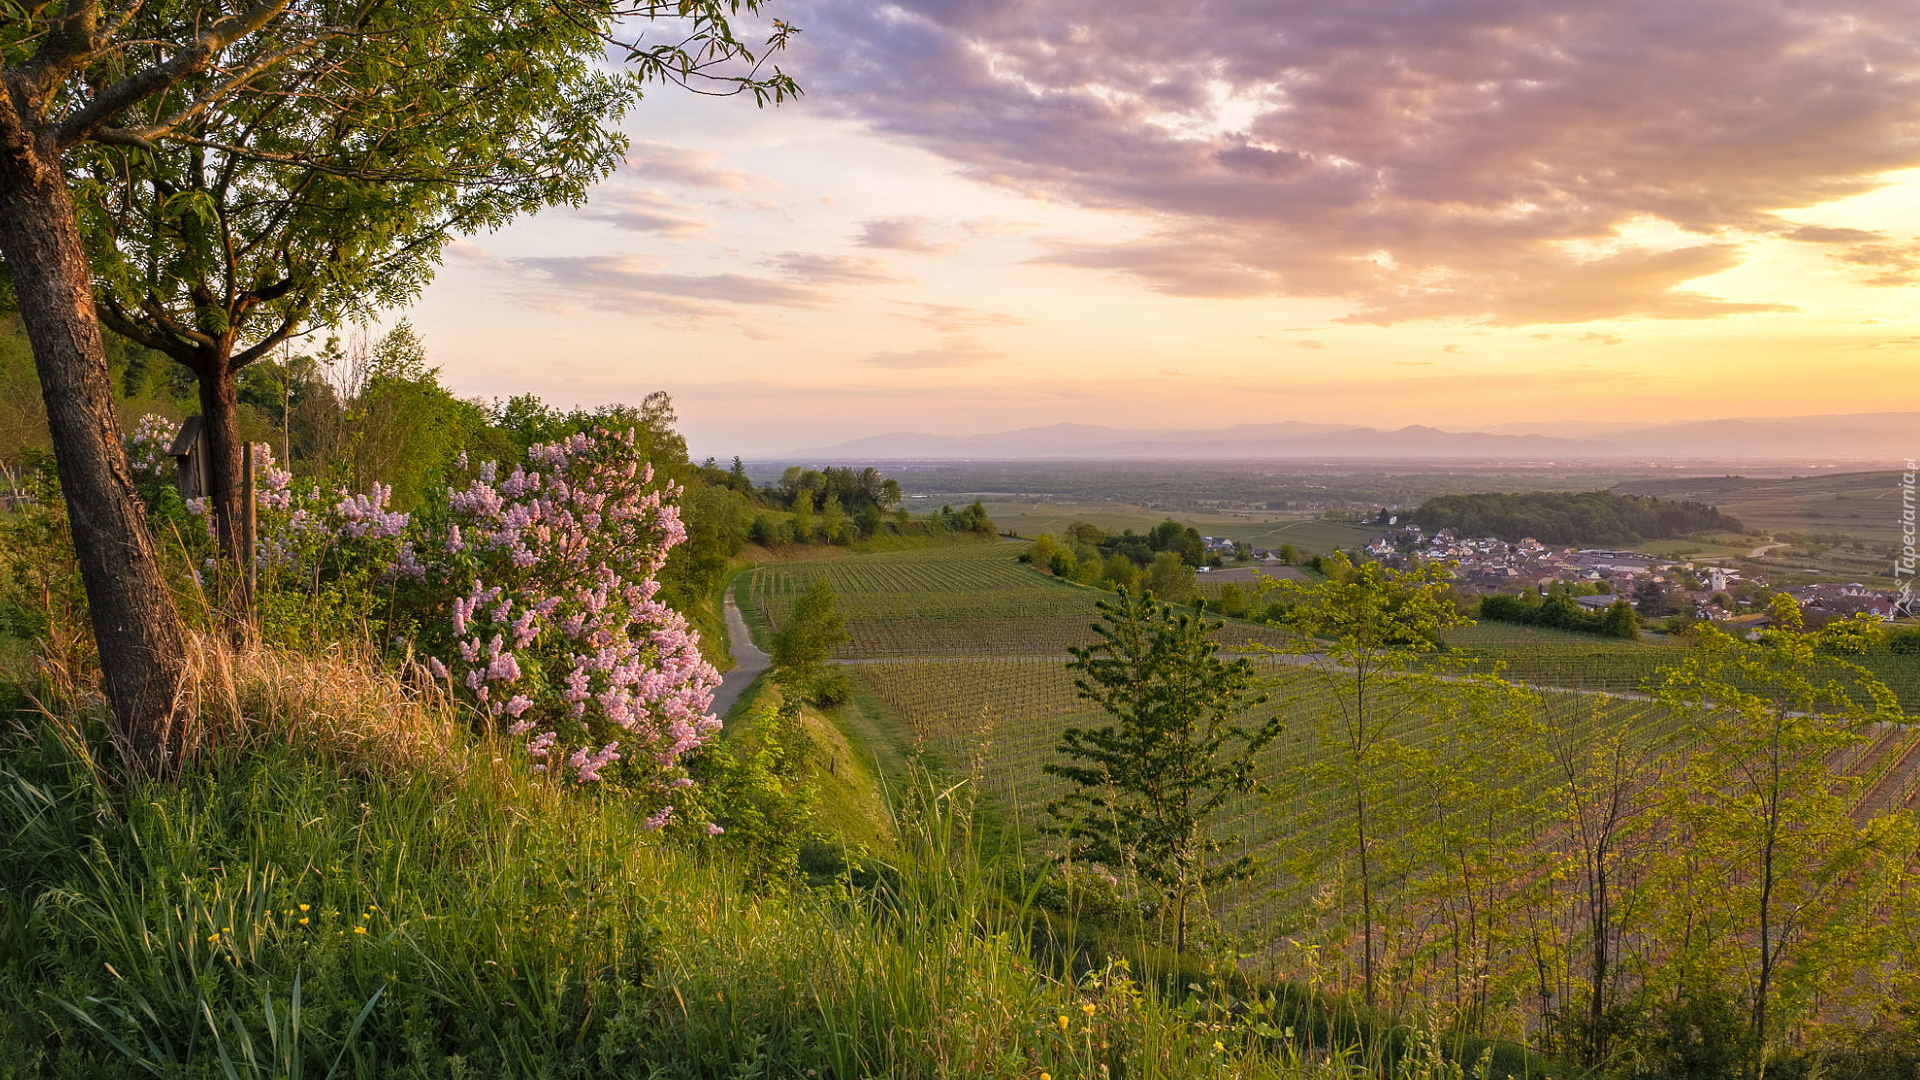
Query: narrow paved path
x=748, y=661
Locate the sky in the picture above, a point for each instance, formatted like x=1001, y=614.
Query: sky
x=990, y=214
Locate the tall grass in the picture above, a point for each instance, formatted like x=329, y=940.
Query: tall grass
x=347, y=885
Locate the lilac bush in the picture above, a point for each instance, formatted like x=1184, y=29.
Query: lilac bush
x=533, y=594
x=554, y=627
x=147, y=448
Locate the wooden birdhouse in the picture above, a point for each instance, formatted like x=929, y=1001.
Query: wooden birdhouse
x=189, y=453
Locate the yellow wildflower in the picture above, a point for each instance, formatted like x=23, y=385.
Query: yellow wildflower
x=1063, y=1023
x=1089, y=1008
x=359, y=929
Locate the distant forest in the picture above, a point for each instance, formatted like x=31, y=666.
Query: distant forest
x=1567, y=517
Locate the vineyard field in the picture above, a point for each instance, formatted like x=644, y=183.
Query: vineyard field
x=969, y=600
x=966, y=650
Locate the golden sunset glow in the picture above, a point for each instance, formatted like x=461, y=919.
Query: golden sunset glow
x=986, y=216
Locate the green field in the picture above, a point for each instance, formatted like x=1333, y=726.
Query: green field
x=1864, y=505
x=965, y=601
x=965, y=651
x=1308, y=532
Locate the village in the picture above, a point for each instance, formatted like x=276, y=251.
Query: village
x=1659, y=588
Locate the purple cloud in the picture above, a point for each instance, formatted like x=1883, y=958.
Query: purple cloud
x=678, y=165
x=815, y=269
x=643, y=211
x=896, y=234
x=629, y=285
x=1419, y=159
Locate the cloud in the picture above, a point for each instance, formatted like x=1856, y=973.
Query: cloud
x=1176, y=265
x=1311, y=343
x=1454, y=349
x=1546, y=290
x=834, y=269
x=1817, y=234
x=1420, y=160
x=628, y=285
x=897, y=234
x=693, y=168
x=1604, y=339
x=643, y=211
x=952, y=319
x=958, y=350
x=1890, y=263
x=473, y=254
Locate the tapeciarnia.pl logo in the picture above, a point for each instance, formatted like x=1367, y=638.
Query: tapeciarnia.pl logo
x=1903, y=562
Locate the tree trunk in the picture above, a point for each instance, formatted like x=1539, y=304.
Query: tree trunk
x=1601, y=920
x=226, y=464
x=135, y=622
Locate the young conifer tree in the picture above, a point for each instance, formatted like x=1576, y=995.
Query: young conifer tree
x=1150, y=783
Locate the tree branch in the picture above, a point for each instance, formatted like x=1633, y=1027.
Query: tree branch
x=133, y=330
x=265, y=345
x=70, y=42
x=236, y=82
x=143, y=84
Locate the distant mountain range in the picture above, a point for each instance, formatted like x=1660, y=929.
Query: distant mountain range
x=1887, y=439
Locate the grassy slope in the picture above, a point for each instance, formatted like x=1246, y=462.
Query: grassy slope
x=849, y=780
x=299, y=906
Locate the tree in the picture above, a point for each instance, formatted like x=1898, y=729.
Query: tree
x=1605, y=776
x=804, y=644
x=1169, y=578
x=1652, y=598
x=833, y=520
x=327, y=188
x=803, y=530
x=1149, y=785
x=1785, y=864
x=399, y=424
x=1783, y=614
x=1856, y=635
x=1366, y=627
x=224, y=152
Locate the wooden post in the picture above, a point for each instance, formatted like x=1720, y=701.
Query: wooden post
x=249, y=523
